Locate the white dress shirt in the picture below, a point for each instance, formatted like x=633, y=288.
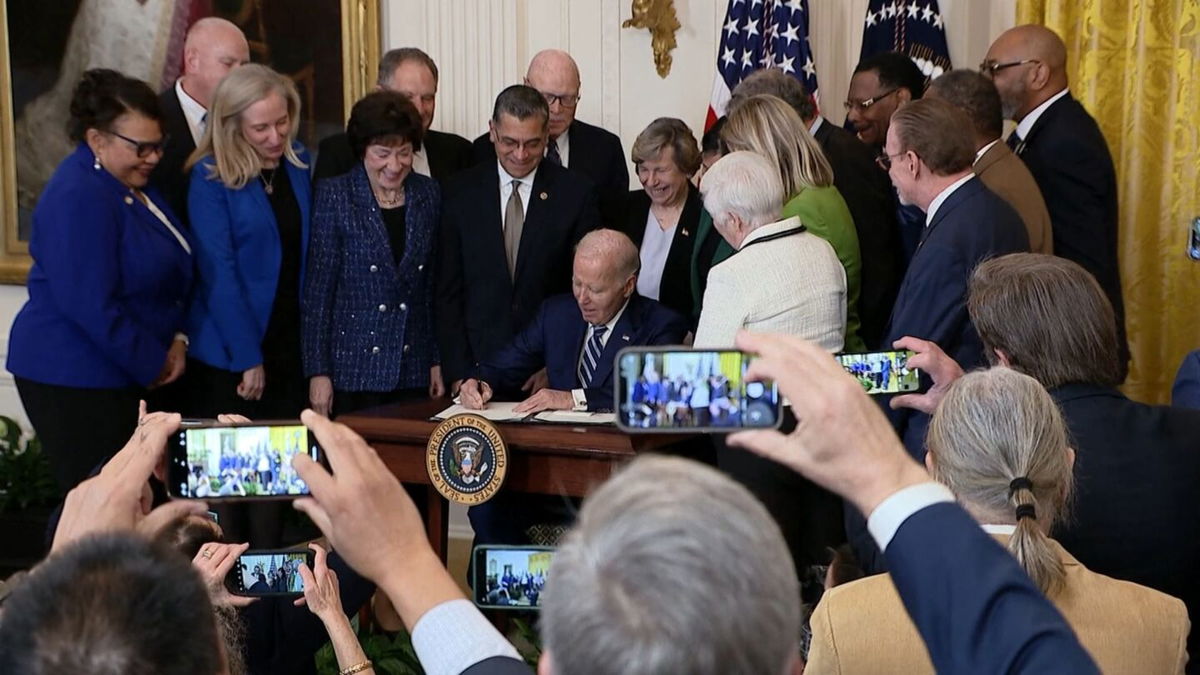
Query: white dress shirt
x=167, y=223
x=580, y=399
x=421, y=162
x=891, y=513
x=1027, y=122
x=983, y=151
x=193, y=112
x=817, y=122
x=454, y=636
x=656, y=244
x=564, y=147
x=526, y=190
x=943, y=195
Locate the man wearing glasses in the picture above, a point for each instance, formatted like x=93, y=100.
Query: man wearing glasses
x=574, y=144
x=1065, y=151
x=881, y=84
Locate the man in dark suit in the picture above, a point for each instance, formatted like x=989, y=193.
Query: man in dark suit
x=880, y=86
x=411, y=72
x=577, y=338
x=867, y=192
x=1065, y=151
x=588, y=150
x=508, y=230
x=212, y=48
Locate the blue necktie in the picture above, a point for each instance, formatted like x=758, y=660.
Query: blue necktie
x=552, y=153
x=591, y=356
x=1016, y=143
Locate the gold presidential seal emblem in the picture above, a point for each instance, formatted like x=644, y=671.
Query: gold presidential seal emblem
x=466, y=459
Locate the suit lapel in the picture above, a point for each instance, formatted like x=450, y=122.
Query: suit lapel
x=540, y=196
x=993, y=155
x=962, y=194
x=623, y=335
x=364, y=201
x=488, y=226
x=1047, y=118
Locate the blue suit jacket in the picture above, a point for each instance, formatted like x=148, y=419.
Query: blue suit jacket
x=1186, y=392
x=238, y=257
x=368, y=322
x=976, y=609
x=108, y=288
x=972, y=225
x=554, y=339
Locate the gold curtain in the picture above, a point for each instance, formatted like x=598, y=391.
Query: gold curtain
x=1134, y=65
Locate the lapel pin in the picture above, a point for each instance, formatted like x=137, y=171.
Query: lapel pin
x=543, y=196
x=129, y=200
x=625, y=338
x=686, y=233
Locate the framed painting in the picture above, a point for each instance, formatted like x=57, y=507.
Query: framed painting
x=46, y=46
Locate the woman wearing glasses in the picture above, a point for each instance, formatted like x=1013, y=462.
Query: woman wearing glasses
x=111, y=275
x=249, y=204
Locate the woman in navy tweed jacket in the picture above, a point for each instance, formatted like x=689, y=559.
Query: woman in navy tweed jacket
x=368, y=335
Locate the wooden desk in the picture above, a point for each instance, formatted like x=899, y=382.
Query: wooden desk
x=547, y=459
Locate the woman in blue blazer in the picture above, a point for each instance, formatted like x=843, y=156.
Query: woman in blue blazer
x=249, y=201
x=111, y=275
x=368, y=298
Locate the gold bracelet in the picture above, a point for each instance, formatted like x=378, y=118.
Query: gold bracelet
x=358, y=667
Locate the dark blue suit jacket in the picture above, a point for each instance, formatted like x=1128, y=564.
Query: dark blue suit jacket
x=972, y=225
x=554, y=339
x=108, y=288
x=480, y=307
x=1069, y=158
x=976, y=609
x=1134, y=512
x=368, y=322
x=238, y=257
x=1186, y=392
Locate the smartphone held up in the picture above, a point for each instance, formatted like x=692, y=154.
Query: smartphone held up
x=681, y=390
x=246, y=460
x=269, y=573
x=882, y=372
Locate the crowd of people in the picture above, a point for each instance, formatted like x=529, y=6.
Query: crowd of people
x=191, y=252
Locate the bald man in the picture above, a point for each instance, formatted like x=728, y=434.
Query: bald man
x=576, y=145
x=212, y=48
x=1065, y=151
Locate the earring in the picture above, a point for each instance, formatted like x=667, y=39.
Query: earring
x=96, y=164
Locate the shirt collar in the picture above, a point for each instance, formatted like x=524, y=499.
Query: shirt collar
x=983, y=151
x=769, y=229
x=943, y=195
x=999, y=529
x=192, y=110
x=1027, y=122
x=506, y=179
x=816, y=124
x=563, y=141
x=615, y=318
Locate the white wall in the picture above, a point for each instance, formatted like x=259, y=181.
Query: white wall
x=482, y=46
x=11, y=300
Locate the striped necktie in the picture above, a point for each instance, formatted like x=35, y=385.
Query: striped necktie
x=591, y=356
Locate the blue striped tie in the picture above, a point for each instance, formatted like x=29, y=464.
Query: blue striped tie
x=591, y=356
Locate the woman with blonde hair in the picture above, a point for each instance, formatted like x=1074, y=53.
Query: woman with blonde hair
x=249, y=201
x=765, y=125
x=998, y=441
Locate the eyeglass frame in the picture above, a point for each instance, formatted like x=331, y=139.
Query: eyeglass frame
x=561, y=98
x=990, y=69
x=884, y=160
x=144, y=148
x=866, y=103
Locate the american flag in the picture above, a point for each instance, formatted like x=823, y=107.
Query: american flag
x=761, y=34
x=914, y=28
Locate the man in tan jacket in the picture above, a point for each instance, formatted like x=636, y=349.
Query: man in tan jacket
x=1000, y=170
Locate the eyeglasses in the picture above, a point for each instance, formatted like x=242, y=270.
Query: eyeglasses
x=144, y=148
x=990, y=68
x=884, y=160
x=868, y=102
x=565, y=100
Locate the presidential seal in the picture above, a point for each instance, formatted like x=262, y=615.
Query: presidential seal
x=466, y=459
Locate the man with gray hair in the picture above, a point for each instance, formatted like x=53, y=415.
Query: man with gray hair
x=671, y=568
x=865, y=188
x=411, y=72
x=784, y=279
x=1000, y=170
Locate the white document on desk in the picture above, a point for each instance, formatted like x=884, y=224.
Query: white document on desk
x=496, y=411
x=574, y=417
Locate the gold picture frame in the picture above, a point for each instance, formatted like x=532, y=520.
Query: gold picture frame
x=360, y=38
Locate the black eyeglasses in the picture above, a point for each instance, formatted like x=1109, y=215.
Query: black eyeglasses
x=565, y=100
x=884, y=160
x=867, y=102
x=990, y=68
x=144, y=148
